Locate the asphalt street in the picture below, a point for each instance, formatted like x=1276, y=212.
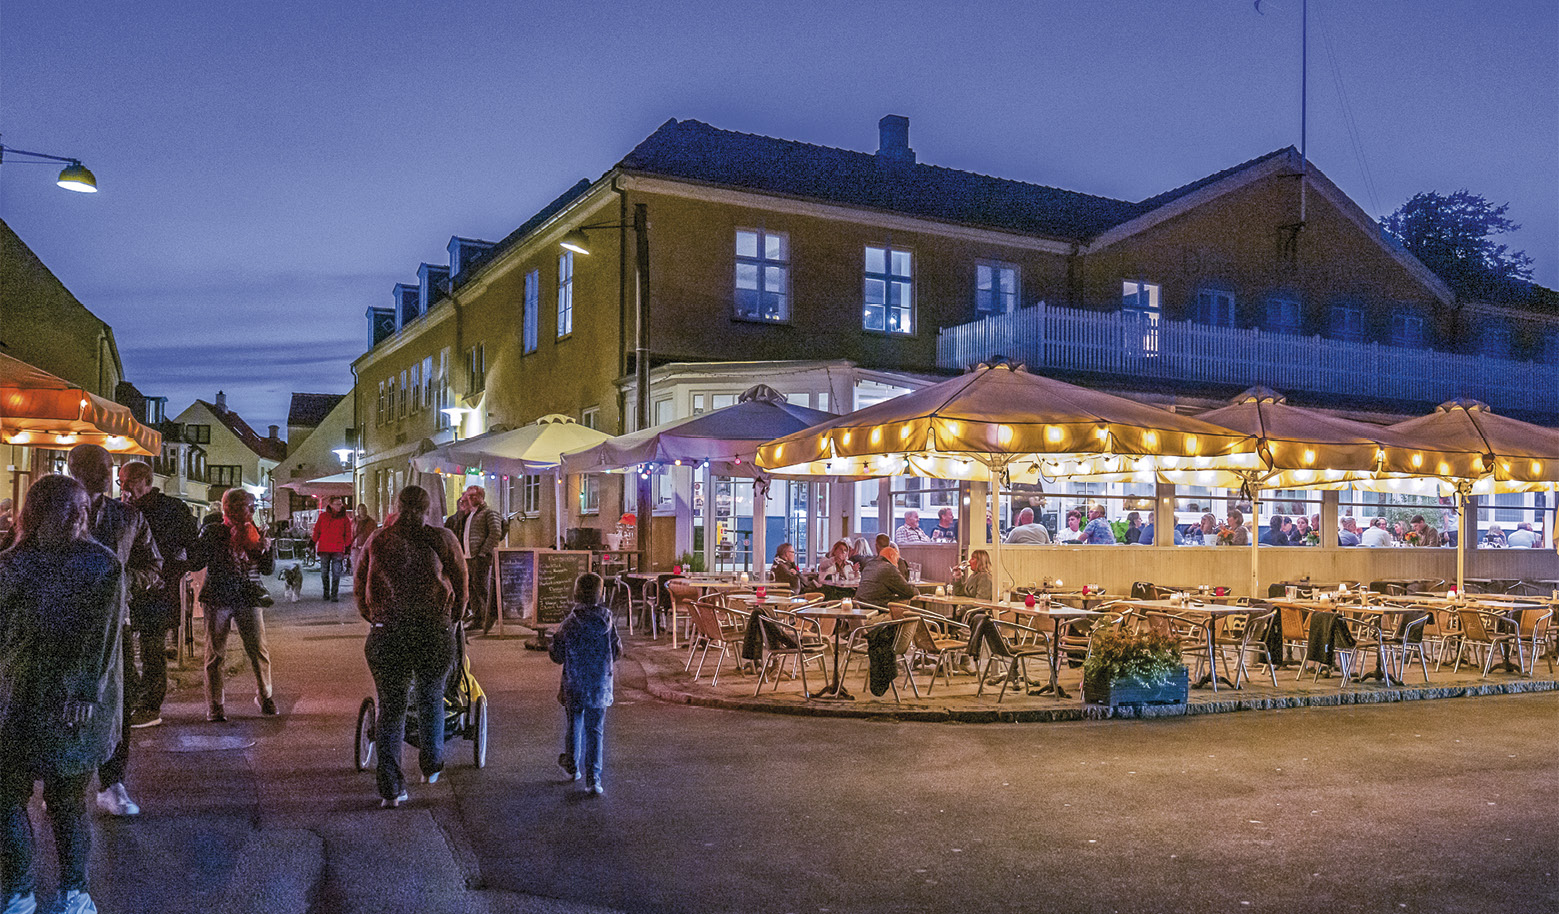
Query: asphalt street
x=1428, y=806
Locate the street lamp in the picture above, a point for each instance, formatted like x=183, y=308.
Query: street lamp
x=343, y=454
x=578, y=242
x=456, y=416
x=74, y=176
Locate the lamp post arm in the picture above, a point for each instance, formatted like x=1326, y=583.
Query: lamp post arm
x=38, y=158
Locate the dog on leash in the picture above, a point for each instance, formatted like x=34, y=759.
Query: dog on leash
x=292, y=583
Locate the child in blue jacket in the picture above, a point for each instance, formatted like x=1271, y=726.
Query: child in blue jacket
x=587, y=645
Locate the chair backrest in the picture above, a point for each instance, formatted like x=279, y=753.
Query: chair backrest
x=900, y=610
x=705, y=622
x=682, y=593
x=1473, y=626
x=1257, y=624
x=777, y=636
x=1534, y=621
x=904, y=636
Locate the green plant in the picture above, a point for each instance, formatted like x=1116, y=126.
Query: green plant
x=691, y=561
x=1119, y=528
x=1118, y=653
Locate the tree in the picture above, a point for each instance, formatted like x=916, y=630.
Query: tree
x=1454, y=236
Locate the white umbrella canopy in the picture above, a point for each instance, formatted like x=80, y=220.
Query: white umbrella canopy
x=515, y=452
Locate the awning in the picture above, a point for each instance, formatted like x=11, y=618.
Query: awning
x=38, y=409
x=323, y=487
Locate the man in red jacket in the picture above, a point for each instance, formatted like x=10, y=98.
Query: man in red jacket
x=332, y=542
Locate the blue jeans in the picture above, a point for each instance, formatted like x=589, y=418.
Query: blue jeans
x=584, y=740
x=413, y=658
x=65, y=798
x=331, y=564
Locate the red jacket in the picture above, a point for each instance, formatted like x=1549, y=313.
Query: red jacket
x=333, y=532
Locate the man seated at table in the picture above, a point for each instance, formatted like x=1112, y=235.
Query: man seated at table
x=909, y=532
x=1348, y=533
x=882, y=543
x=1278, y=530
x=882, y=582
x=1523, y=537
x=1377, y=534
x=1098, y=532
x=837, y=567
x=946, y=529
x=1427, y=535
x=784, y=570
x=974, y=581
x=1027, y=532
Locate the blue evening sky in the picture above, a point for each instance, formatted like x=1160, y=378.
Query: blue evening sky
x=270, y=170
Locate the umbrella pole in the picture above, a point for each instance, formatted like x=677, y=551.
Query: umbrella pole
x=709, y=519
x=1461, y=541
x=760, y=519
x=1255, y=544
x=557, y=506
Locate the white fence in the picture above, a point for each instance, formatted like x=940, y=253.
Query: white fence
x=1130, y=344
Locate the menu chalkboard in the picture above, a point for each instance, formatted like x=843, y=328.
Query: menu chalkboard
x=537, y=585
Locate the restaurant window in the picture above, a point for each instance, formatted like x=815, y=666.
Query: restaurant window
x=762, y=275
x=1192, y=502
x=708, y=403
x=1523, y=516
x=529, y=333
x=995, y=287
x=1282, y=315
x=1215, y=308
x=1348, y=323
x=1140, y=300
x=1398, y=508
x=1053, y=502
x=565, y=294
x=530, y=497
x=890, y=290
x=1407, y=329
x=476, y=369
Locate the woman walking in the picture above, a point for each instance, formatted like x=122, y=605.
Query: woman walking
x=234, y=553
x=587, y=646
x=60, y=682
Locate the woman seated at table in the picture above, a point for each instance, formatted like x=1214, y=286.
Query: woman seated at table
x=974, y=580
x=784, y=570
x=837, y=568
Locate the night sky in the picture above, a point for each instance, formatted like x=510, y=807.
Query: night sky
x=270, y=170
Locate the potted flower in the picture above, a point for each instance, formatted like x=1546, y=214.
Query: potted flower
x=1225, y=535
x=1127, y=667
x=1312, y=538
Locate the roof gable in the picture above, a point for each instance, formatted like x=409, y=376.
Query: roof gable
x=268, y=448
x=309, y=410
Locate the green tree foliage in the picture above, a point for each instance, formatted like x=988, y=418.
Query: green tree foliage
x=1454, y=235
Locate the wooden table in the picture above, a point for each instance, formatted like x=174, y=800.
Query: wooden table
x=1212, y=614
x=843, y=618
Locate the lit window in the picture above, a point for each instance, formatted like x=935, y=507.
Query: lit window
x=589, y=494
x=528, y=327
x=995, y=288
x=890, y=291
x=1282, y=315
x=565, y=294
x=476, y=369
x=762, y=276
x=1215, y=308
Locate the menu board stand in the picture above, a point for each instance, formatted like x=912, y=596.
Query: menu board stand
x=535, y=587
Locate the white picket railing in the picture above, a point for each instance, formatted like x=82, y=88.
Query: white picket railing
x=1128, y=344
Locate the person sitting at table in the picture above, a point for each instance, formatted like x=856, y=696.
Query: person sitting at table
x=860, y=551
x=882, y=543
x=837, y=568
x=974, y=580
x=1204, y=533
x=1495, y=536
x=1027, y=532
x=1073, y=531
x=1241, y=536
x=946, y=529
x=1277, y=531
x=1098, y=532
x=1301, y=532
x=1523, y=537
x=1377, y=534
x=1348, y=533
x=1133, y=528
x=784, y=570
x=1427, y=534
x=909, y=532
x=882, y=582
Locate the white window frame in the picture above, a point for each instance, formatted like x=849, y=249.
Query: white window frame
x=589, y=493
x=766, y=267
x=889, y=279
x=530, y=501
x=565, y=294
x=591, y=417
x=993, y=298
x=530, y=334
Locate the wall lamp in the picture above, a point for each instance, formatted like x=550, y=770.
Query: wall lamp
x=74, y=176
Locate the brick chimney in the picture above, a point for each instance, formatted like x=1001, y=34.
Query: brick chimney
x=893, y=140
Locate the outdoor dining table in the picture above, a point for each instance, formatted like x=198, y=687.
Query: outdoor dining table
x=1057, y=615
x=1210, y=614
x=843, y=620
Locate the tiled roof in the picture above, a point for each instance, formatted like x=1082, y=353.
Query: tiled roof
x=694, y=151
x=309, y=410
x=1169, y=196
x=269, y=448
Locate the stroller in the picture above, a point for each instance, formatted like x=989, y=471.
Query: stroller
x=465, y=713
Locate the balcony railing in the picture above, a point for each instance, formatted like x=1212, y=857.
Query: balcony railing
x=1130, y=344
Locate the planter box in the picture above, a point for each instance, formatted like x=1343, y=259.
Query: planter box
x=1133, y=692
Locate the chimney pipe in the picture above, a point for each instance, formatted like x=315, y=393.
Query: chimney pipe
x=274, y=430
x=893, y=140
x=221, y=400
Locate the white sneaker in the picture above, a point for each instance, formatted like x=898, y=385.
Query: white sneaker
x=78, y=902
x=115, y=801
x=21, y=904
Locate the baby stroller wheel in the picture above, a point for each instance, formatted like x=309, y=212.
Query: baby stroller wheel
x=363, y=747
x=479, y=731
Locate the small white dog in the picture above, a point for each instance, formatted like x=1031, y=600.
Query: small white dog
x=292, y=583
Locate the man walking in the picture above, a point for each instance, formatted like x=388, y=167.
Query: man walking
x=153, y=614
x=123, y=530
x=332, y=543
x=411, y=587
x=480, y=530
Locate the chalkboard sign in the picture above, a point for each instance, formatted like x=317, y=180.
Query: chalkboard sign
x=555, y=579
x=537, y=585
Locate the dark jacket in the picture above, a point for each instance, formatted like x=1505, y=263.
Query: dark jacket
x=786, y=573
x=486, y=531
x=227, y=582
x=411, y=575
x=587, y=645
x=60, y=615
x=124, y=531
x=173, y=530
x=881, y=583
